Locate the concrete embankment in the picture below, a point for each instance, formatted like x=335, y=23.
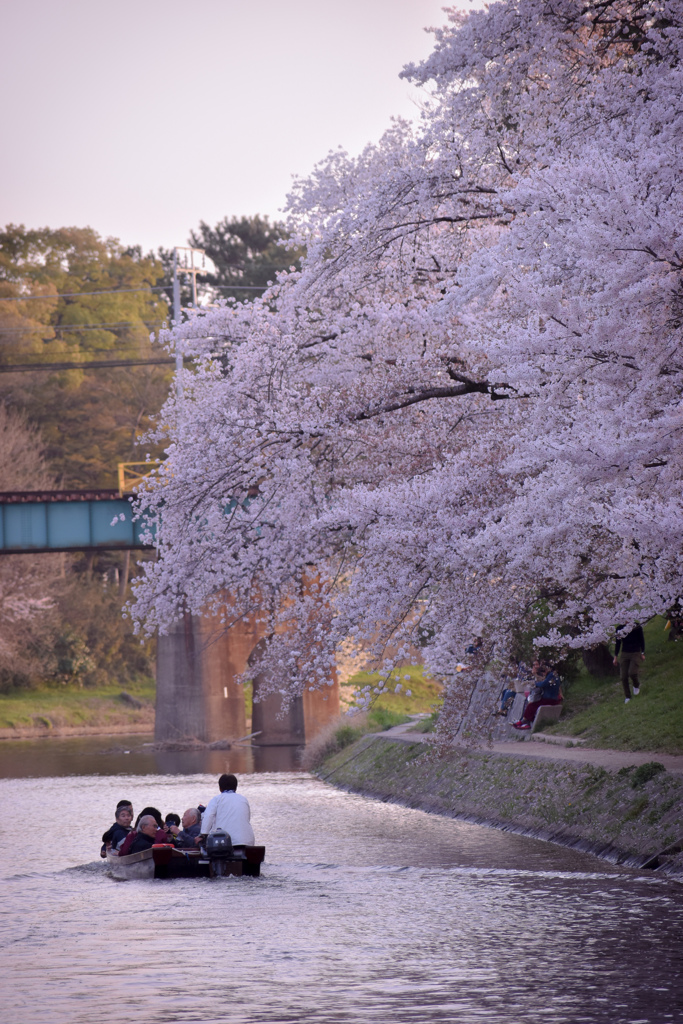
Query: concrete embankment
x=627, y=816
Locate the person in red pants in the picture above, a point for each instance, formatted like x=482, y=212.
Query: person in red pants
x=546, y=691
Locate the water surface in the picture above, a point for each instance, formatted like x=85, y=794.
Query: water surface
x=133, y=755
x=365, y=912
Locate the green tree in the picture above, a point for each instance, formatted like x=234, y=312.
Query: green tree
x=91, y=301
x=247, y=251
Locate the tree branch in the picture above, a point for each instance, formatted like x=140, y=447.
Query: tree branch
x=468, y=387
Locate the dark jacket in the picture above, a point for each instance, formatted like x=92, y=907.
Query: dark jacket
x=115, y=834
x=137, y=841
x=186, y=838
x=548, y=688
x=631, y=643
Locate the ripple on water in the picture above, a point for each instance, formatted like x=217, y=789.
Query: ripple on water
x=365, y=912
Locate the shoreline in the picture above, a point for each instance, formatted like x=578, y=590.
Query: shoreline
x=74, y=731
x=616, y=815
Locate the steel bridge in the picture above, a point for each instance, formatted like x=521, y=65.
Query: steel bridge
x=35, y=521
x=199, y=662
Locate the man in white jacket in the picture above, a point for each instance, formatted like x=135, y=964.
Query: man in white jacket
x=229, y=811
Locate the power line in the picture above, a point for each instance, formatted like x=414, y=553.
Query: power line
x=129, y=291
x=71, y=295
x=120, y=351
x=101, y=364
x=240, y=287
x=81, y=327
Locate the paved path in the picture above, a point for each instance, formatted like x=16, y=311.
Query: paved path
x=539, y=749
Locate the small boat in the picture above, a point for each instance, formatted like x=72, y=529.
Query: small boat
x=165, y=861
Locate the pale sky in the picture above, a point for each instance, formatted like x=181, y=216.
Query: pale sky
x=142, y=118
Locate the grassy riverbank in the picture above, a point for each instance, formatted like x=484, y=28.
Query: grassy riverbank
x=53, y=709
x=419, y=695
x=64, y=710
x=594, y=708
x=626, y=815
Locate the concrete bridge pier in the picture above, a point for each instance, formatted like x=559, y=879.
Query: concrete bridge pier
x=277, y=727
x=197, y=692
x=198, y=696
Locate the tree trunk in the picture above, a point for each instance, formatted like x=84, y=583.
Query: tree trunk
x=598, y=661
x=123, y=577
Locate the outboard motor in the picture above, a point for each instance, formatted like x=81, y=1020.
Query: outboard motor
x=219, y=850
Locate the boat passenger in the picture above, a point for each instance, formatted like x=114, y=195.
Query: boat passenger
x=188, y=836
x=229, y=811
x=172, y=819
x=156, y=814
x=147, y=835
x=116, y=833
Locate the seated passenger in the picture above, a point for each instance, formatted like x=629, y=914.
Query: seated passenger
x=171, y=820
x=229, y=812
x=156, y=814
x=187, y=838
x=115, y=835
x=147, y=835
x=546, y=691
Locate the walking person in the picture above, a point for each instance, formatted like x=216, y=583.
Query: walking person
x=629, y=651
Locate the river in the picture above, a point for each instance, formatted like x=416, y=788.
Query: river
x=365, y=911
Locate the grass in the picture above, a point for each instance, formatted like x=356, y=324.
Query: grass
x=57, y=706
x=428, y=724
x=346, y=730
x=424, y=691
x=594, y=707
x=387, y=710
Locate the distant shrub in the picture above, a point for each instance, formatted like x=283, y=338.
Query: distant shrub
x=92, y=644
x=429, y=724
x=645, y=772
x=345, y=736
x=345, y=730
x=381, y=718
x=72, y=661
x=12, y=680
x=340, y=733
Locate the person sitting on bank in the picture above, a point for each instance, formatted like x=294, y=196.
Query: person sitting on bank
x=229, y=811
x=514, y=680
x=628, y=654
x=186, y=838
x=147, y=835
x=546, y=691
x=507, y=688
x=116, y=833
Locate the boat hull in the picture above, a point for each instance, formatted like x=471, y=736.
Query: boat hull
x=163, y=861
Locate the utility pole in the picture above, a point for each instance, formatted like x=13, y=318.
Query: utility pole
x=176, y=313
x=187, y=261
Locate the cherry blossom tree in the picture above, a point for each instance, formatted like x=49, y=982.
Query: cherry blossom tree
x=469, y=397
